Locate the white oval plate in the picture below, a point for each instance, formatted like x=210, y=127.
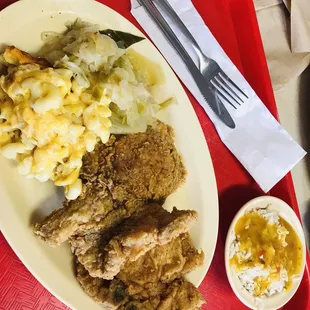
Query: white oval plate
x=286, y=212
x=24, y=201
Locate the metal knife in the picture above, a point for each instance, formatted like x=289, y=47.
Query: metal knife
x=210, y=97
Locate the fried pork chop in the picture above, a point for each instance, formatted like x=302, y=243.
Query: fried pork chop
x=152, y=281
x=147, y=165
x=73, y=217
x=148, y=276
x=103, y=254
x=118, y=178
x=111, y=294
x=179, y=295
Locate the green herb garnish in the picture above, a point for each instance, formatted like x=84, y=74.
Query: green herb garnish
x=122, y=39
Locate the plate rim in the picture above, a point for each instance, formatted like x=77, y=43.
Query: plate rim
x=10, y=10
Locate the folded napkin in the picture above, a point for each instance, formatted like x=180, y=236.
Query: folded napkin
x=259, y=142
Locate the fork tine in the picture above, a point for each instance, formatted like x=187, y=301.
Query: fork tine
x=222, y=95
x=225, y=76
x=224, y=82
x=222, y=90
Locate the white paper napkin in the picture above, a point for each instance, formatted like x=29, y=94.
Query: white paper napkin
x=259, y=142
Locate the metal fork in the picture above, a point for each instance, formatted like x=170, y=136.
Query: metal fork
x=220, y=82
x=210, y=97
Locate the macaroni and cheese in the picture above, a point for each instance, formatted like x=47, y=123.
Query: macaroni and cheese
x=48, y=123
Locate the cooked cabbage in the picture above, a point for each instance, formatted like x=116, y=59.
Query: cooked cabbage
x=129, y=79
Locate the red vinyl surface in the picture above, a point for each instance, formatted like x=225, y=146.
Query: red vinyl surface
x=234, y=24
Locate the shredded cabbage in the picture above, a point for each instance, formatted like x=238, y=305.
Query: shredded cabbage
x=96, y=60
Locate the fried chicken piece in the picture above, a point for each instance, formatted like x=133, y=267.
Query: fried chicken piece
x=152, y=281
x=114, y=294
x=14, y=56
x=118, y=177
x=143, y=231
x=104, y=254
x=148, y=304
x=74, y=217
x=86, y=216
x=147, y=276
x=143, y=166
x=179, y=295
x=111, y=294
x=147, y=165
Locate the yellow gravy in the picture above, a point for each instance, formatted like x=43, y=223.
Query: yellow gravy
x=271, y=247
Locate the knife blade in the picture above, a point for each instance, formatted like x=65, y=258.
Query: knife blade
x=211, y=99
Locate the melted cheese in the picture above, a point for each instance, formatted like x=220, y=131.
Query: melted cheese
x=47, y=125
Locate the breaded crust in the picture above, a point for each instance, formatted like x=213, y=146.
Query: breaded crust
x=179, y=295
x=111, y=294
x=148, y=276
x=104, y=254
x=118, y=178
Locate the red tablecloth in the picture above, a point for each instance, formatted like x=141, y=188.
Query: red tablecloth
x=233, y=22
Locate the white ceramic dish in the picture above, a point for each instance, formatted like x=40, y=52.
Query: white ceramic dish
x=24, y=201
x=286, y=212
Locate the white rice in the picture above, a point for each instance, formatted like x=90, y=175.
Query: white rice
x=271, y=216
x=247, y=276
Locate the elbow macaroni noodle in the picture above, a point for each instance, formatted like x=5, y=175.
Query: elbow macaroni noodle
x=48, y=122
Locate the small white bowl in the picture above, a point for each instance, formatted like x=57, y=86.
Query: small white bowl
x=286, y=212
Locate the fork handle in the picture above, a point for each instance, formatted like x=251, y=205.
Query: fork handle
x=165, y=5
